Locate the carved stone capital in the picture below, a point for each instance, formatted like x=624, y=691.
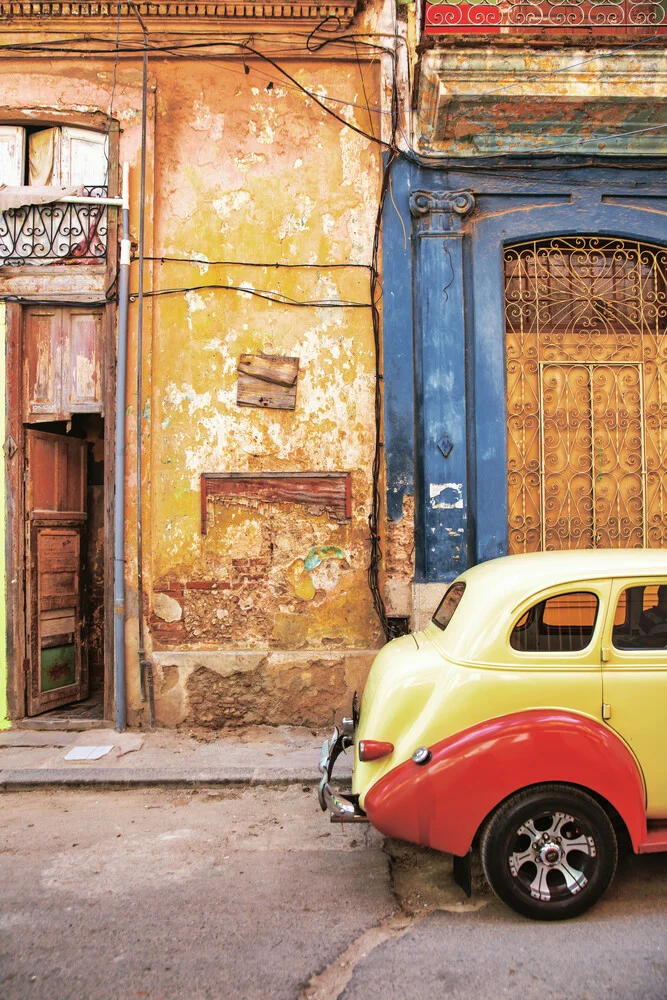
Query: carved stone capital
x=441, y=211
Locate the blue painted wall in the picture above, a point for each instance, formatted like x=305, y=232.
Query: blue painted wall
x=399, y=385
x=444, y=332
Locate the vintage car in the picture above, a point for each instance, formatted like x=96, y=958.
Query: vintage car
x=530, y=719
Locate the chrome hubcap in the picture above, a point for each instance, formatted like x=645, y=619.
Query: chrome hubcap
x=552, y=856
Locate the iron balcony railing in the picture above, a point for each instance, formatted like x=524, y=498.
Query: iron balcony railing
x=58, y=233
x=596, y=16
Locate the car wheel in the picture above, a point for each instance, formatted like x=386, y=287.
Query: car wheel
x=549, y=852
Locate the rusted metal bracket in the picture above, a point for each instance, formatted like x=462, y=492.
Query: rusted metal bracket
x=445, y=445
x=10, y=447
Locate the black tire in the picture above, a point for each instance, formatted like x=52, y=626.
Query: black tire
x=549, y=852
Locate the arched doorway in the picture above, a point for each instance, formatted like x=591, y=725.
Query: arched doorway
x=586, y=358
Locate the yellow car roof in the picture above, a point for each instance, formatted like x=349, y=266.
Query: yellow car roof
x=495, y=590
x=535, y=570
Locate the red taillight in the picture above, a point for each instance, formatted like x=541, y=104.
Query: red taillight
x=373, y=749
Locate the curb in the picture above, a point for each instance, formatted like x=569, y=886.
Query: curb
x=27, y=779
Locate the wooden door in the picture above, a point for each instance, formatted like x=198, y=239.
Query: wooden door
x=56, y=669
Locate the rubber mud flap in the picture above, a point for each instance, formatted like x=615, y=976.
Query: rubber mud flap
x=462, y=872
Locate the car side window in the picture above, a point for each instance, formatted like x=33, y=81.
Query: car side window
x=560, y=624
x=448, y=605
x=640, y=621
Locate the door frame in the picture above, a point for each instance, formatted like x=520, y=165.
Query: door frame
x=490, y=236
x=444, y=351
x=15, y=508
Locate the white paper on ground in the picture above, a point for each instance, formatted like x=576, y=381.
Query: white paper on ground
x=87, y=753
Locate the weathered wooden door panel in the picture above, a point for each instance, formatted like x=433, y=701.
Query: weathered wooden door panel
x=56, y=654
x=62, y=372
x=56, y=513
x=42, y=389
x=82, y=376
x=56, y=482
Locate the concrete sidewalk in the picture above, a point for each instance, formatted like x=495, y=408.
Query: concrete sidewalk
x=258, y=755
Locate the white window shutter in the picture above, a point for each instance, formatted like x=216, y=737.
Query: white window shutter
x=83, y=157
x=44, y=157
x=12, y=155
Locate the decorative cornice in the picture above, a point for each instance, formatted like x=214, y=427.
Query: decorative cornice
x=172, y=10
x=440, y=211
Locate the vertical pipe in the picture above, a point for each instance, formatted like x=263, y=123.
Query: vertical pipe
x=4, y=720
x=145, y=665
x=119, y=499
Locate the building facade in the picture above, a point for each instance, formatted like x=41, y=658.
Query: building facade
x=254, y=140
x=529, y=300
x=397, y=304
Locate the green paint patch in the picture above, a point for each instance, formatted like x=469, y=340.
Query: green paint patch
x=479, y=125
x=319, y=553
x=58, y=667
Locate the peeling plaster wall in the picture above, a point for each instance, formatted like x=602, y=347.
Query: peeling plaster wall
x=213, y=690
x=400, y=561
x=258, y=174
x=507, y=95
x=242, y=167
x=251, y=173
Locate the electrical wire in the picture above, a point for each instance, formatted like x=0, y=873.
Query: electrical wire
x=260, y=293
x=355, y=40
x=340, y=39
x=309, y=94
x=113, y=95
x=394, y=153
x=376, y=553
x=570, y=66
x=611, y=137
x=250, y=263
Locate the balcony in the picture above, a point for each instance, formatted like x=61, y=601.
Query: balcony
x=59, y=233
x=610, y=17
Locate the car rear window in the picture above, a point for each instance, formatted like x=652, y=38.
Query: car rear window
x=448, y=605
x=640, y=621
x=560, y=624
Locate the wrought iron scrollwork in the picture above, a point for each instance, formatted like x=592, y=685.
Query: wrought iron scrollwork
x=586, y=336
x=533, y=15
x=53, y=234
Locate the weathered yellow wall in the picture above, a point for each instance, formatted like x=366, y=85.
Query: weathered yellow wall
x=268, y=617
x=248, y=172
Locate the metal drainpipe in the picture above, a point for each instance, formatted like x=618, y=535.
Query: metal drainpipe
x=119, y=499
x=145, y=665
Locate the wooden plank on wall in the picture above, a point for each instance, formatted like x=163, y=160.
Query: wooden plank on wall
x=331, y=490
x=267, y=380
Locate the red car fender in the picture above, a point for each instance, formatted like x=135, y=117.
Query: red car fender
x=442, y=804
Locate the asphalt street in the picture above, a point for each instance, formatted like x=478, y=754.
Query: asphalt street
x=250, y=893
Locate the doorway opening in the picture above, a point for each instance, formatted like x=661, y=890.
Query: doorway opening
x=60, y=516
x=65, y=555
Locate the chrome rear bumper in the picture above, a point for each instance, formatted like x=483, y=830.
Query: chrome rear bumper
x=342, y=808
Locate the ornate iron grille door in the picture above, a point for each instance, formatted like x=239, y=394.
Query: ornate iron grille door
x=586, y=340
